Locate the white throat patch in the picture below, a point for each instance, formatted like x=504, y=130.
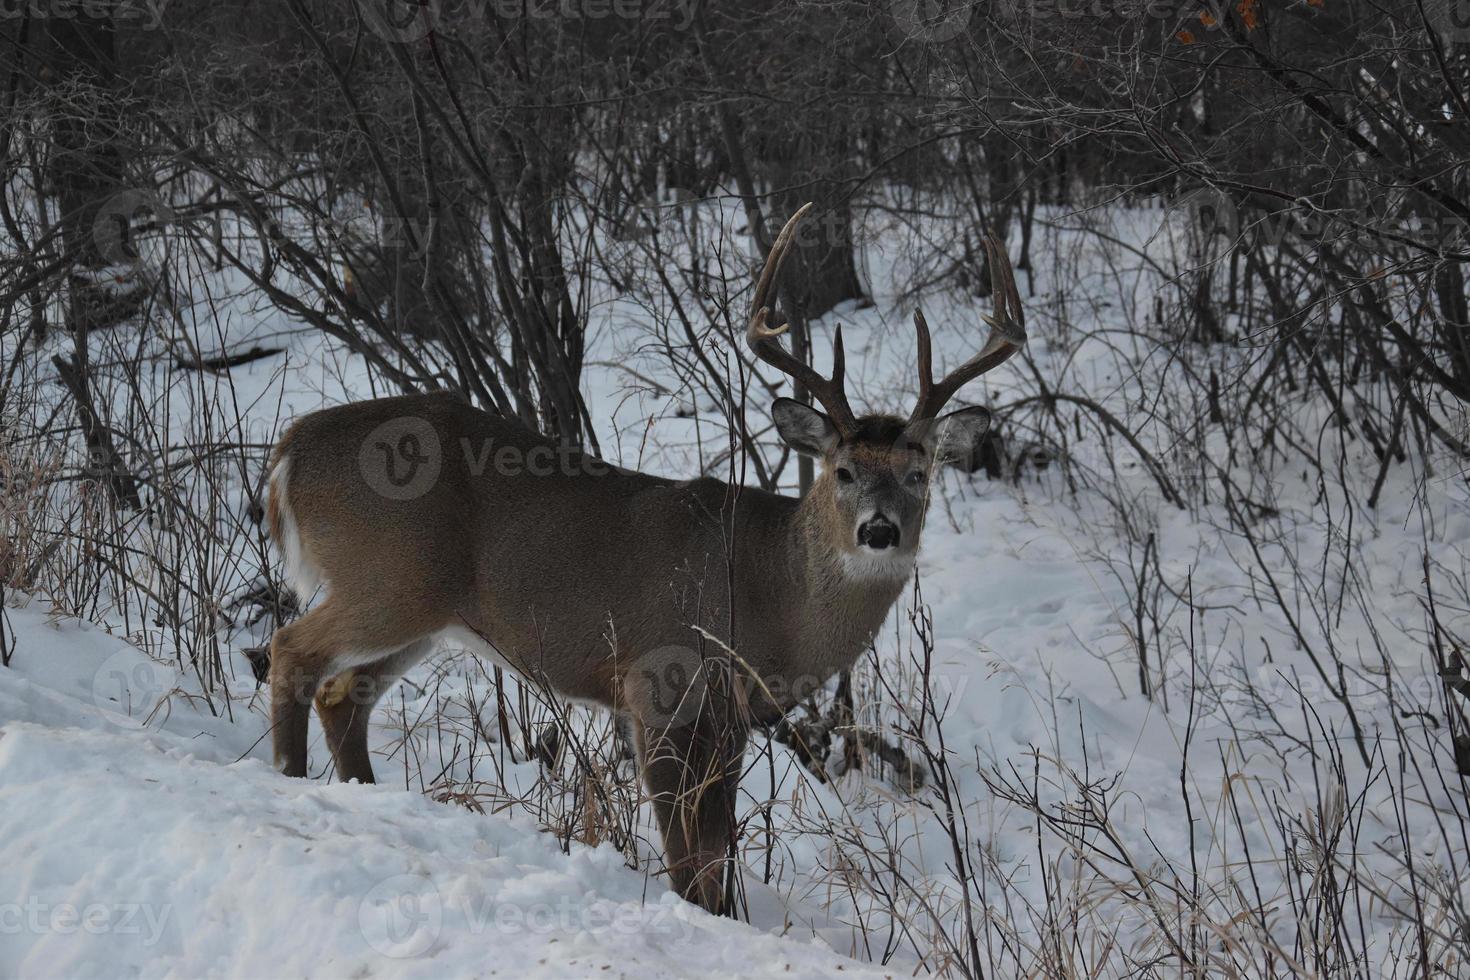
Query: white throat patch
x=887, y=565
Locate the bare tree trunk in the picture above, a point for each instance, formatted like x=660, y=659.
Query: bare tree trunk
x=87, y=169
x=87, y=166
x=825, y=271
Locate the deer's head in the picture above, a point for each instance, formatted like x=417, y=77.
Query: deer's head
x=876, y=469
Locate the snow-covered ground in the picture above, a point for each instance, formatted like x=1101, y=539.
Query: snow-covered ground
x=161, y=845
x=137, y=793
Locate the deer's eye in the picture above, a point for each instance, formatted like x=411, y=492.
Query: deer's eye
x=915, y=478
x=844, y=475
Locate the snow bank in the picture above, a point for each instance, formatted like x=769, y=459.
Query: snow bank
x=145, y=849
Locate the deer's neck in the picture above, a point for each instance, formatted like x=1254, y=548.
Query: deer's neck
x=847, y=599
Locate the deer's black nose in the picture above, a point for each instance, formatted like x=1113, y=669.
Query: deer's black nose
x=878, y=533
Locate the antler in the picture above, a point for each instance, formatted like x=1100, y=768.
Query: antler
x=1007, y=335
x=763, y=342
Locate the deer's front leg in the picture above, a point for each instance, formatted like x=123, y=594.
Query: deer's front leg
x=691, y=746
x=693, y=776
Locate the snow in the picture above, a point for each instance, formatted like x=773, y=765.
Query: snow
x=142, y=845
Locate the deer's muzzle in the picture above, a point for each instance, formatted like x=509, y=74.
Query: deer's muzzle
x=878, y=533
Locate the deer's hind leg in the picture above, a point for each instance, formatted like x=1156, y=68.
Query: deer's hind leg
x=328, y=640
x=345, y=701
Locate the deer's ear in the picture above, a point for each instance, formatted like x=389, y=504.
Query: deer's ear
x=952, y=436
x=803, y=428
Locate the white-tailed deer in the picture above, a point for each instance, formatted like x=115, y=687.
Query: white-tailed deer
x=695, y=608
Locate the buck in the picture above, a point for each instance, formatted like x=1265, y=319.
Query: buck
x=694, y=609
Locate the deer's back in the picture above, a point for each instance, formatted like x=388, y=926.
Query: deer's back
x=423, y=504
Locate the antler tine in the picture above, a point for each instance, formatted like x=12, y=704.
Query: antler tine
x=774, y=260
x=764, y=343
x=926, y=359
x=1007, y=335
